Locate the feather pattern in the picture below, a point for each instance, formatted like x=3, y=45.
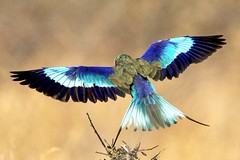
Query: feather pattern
x=176, y=54
x=80, y=83
x=148, y=110
x=164, y=58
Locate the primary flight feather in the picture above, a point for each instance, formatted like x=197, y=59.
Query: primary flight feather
x=163, y=59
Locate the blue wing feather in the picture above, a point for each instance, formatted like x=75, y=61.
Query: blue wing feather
x=80, y=83
x=176, y=54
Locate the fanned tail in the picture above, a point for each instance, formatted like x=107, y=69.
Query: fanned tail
x=148, y=110
x=151, y=112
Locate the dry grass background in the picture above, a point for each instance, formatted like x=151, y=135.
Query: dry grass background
x=35, y=34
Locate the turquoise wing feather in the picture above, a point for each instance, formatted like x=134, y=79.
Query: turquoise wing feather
x=176, y=54
x=80, y=83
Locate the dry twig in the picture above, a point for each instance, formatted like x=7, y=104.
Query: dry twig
x=124, y=152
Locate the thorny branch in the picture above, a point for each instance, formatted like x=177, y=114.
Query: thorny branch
x=124, y=152
x=99, y=137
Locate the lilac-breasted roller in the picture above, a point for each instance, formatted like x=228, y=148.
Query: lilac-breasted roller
x=163, y=59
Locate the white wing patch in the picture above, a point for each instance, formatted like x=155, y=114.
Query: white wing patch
x=182, y=44
x=58, y=74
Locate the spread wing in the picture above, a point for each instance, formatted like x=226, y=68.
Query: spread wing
x=80, y=83
x=176, y=54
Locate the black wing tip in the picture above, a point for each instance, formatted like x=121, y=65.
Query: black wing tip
x=15, y=73
x=217, y=38
x=19, y=72
x=20, y=75
x=208, y=36
x=220, y=39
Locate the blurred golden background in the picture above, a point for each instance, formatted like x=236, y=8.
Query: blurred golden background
x=36, y=34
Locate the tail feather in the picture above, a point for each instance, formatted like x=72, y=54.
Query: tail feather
x=148, y=110
x=189, y=118
x=151, y=112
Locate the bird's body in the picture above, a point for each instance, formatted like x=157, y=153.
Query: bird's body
x=164, y=59
x=126, y=68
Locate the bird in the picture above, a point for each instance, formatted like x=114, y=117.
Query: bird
x=164, y=59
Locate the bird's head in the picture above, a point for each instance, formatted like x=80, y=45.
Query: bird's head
x=123, y=59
